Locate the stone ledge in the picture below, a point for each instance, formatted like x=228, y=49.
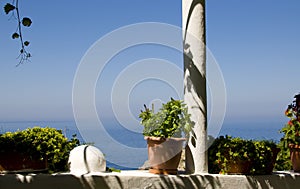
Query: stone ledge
x=143, y=179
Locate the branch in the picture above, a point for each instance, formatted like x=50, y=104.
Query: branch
x=26, y=22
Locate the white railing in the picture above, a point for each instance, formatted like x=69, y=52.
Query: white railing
x=143, y=179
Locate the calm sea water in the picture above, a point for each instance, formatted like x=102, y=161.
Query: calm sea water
x=248, y=130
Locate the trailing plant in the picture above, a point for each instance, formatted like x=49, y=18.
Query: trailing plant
x=172, y=120
x=40, y=143
x=265, y=156
x=231, y=150
x=13, y=8
x=226, y=151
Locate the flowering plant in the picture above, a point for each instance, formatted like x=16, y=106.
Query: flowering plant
x=292, y=129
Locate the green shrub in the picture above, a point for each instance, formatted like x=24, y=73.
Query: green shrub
x=233, y=150
x=283, y=160
x=40, y=143
x=225, y=150
x=265, y=156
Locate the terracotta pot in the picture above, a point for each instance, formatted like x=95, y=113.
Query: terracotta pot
x=164, y=154
x=239, y=167
x=270, y=166
x=295, y=156
x=17, y=162
x=268, y=163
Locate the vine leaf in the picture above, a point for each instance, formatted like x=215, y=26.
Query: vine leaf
x=15, y=36
x=26, y=21
x=8, y=7
x=26, y=43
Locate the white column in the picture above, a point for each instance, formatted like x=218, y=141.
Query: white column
x=193, y=23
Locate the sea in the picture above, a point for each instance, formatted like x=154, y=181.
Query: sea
x=127, y=150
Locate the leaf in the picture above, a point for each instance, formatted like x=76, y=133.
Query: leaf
x=15, y=36
x=26, y=43
x=26, y=21
x=8, y=7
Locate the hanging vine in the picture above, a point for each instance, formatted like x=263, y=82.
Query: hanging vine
x=13, y=9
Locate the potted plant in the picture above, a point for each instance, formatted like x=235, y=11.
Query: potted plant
x=228, y=155
x=165, y=132
x=291, y=130
x=265, y=157
x=35, y=149
x=234, y=155
x=214, y=148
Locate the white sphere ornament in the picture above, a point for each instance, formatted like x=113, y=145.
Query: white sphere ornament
x=85, y=159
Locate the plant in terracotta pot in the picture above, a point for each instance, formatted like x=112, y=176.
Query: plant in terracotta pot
x=265, y=157
x=291, y=130
x=235, y=155
x=228, y=155
x=165, y=132
x=35, y=149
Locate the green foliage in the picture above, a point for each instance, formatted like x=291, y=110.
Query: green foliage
x=291, y=130
x=283, y=160
x=40, y=143
x=265, y=156
x=172, y=120
x=213, y=162
x=233, y=150
x=111, y=169
x=291, y=134
x=226, y=150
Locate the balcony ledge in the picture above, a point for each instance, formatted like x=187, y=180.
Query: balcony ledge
x=143, y=179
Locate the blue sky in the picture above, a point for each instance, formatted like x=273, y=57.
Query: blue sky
x=256, y=44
